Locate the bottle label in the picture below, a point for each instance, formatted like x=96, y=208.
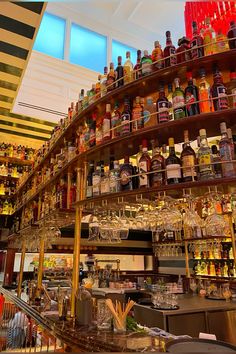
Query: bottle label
x=204, y=161
x=226, y=155
x=127, y=74
x=105, y=185
x=136, y=117
x=96, y=185
x=146, y=67
x=222, y=102
x=146, y=114
x=173, y=171
x=188, y=166
x=113, y=182
x=178, y=101
x=204, y=95
x=115, y=122
x=194, y=51
x=92, y=138
x=143, y=179
x=99, y=135
x=106, y=128
x=190, y=99
x=163, y=111
x=89, y=192
x=125, y=177
x=157, y=177
x=125, y=123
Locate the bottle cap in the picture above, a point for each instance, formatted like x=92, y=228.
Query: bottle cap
x=111, y=65
x=145, y=53
x=189, y=76
x=171, y=142
x=139, y=53
x=144, y=143
x=223, y=127
x=119, y=59
x=202, y=132
x=128, y=54
x=156, y=44
x=229, y=133
x=168, y=34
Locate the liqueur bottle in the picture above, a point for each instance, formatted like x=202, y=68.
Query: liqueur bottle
x=169, y=51
x=126, y=171
x=144, y=166
x=183, y=52
x=196, y=43
x=221, y=42
x=104, y=82
x=105, y=181
x=146, y=64
x=120, y=72
x=137, y=115
x=206, y=105
x=89, y=190
x=231, y=88
x=157, y=56
x=219, y=91
x=217, y=161
x=114, y=176
x=98, y=87
x=126, y=117
x=178, y=101
x=111, y=78
x=232, y=34
x=99, y=130
x=173, y=165
x=157, y=177
x=225, y=146
x=205, y=159
x=137, y=72
x=115, y=121
x=169, y=98
x=162, y=106
x=209, y=38
x=188, y=160
x=107, y=123
x=128, y=69
x=96, y=179
x=191, y=97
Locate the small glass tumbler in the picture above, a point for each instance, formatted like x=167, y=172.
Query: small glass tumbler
x=120, y=327
x=103, y=315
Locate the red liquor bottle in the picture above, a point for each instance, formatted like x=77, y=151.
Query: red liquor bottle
x=169, y=51
x=197, y=51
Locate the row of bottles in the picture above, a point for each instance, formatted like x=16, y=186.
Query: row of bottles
x=7, y=187
x=144, y=112
x=171, y=169
x=211, y=250
x=13, y=170
x=7, y=207
x=17, y=151
x=215, y=268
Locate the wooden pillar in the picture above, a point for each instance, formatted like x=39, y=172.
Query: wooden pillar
x=40, y=268
x=9, y=266
x=22, y=262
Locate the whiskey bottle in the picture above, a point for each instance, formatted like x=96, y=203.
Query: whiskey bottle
x=126, y=117
x=144, y=165
x=128, y=69
x=173, y=165
x=162, y=106
x=217, y=161
x=206, y=170
x=188, y=159
x=111, y=78
x=104, y=82
x=116, y=121
x=157, y=177
x=126, y=171
x=209, y=38
x=228, y=169
x=105, y=181
x=137, y=115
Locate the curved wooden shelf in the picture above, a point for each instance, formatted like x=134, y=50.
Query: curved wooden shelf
x=15, y=160
x=175, y=190
x=142, y=87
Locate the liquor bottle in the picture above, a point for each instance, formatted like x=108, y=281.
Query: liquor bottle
x=137, y=115
x=120, y=72
x=92, y=129
x=149, y=112
x=231, y=88
x=183, y=52
x=169, y=51
x=96, y=179
x=126, y=171
x=99, y=130
x=98, y=87
x=188, y=160
x=232, y=34
x=173, y=165
x=162, y=106
x=209, y=38
x=169, y=98
x=206, y=105
x=114, y=176
x=115, y=121
x=104, y=82
x=128, y=69
x=89, y=189
x=178, y=101
x=157, y=56
x=107, y=123
x=111, y=78
x=191, y=97
x=144, y=165
x=221, y=42
x=137, y=71
x=146, y=64
x=105, y=181
x=228, y=169
x=157, y=177
x=126, y=117
x=232, y=145
x=197, y=51
x=219, y=91
x=217, y=161
x=206, y=169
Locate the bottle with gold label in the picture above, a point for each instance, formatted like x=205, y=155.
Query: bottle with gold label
x=209, y=38
x=128, y=69
x=221, y=42
x=188, y=158
x=205, y=158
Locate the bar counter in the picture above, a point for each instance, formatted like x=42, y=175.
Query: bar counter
x=195, y=314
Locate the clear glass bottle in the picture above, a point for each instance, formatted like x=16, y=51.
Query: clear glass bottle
x=89, y=189
x=157, y=178
x=188, y=159
x=205, y=159
x=197, y=51
x=114, y=176
x=144, y=166
x=105, y=181
x=178, y=101
x=228, y=169
x=128, y=69
x=173, y=165
x=162, y=106
x=209, y=38
x=97, y=181
x=206, y=105
x=169, y=51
